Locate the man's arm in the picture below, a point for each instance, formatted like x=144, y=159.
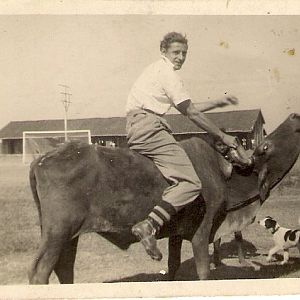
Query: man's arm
x=188, y=109
x=209, y=105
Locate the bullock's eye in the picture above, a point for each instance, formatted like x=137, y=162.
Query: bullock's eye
x=263, y=149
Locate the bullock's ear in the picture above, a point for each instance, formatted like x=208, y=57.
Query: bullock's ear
x=263, y=183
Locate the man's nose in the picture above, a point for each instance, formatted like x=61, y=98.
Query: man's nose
x=181, y=56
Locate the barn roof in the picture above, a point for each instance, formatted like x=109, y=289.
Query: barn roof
x=230, y=121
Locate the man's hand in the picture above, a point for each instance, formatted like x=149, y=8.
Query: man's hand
x=227, y=100
x=230, y=141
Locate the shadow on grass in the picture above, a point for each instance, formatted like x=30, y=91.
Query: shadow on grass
x=187, y=270
x=269, y=271
x=230, y=249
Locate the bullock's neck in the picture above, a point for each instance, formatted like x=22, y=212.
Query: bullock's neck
x=278, y=171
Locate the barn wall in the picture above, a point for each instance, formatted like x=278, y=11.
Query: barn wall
x=245, y=139
x=15, y=146
x=117, y=141
x=11, y=146
x=258, y=135
x=4, y=147
x=1, y=147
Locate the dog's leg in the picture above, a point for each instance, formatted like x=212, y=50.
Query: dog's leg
x=272, y=251
x=285, y=256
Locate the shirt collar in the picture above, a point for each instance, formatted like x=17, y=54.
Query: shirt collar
x=167, y=61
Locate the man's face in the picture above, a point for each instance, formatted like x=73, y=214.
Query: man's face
x=176, y=53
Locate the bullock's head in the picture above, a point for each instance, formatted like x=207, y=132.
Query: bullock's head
x=277, y=154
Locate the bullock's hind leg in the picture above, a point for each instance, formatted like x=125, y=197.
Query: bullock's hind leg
x=174, y=259
x=46, y=259
x=32, y=273
x=64, y=267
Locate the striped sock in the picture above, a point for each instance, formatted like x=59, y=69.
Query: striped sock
x=162, y=213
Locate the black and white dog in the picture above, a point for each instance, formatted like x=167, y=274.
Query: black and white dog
x=284, y=238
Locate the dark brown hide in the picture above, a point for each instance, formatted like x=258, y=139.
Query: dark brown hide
x=263, y=183
x=79, y=188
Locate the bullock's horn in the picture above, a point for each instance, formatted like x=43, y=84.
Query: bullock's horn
x=294, y=115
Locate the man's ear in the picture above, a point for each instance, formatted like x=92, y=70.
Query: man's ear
x=163, y=51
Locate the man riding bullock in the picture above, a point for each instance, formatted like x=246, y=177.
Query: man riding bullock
x=158, y=89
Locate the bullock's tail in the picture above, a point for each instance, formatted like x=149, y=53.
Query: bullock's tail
x=35, y=195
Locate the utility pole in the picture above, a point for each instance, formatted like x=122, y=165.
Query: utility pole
x=66, y=103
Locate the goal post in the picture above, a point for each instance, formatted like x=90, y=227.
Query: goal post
x=37, y=143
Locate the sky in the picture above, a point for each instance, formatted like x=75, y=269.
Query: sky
x=255, y=58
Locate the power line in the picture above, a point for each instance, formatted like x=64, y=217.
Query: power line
x=66, y=97
x=66, y=103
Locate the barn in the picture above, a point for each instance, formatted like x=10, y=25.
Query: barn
x=247, y=125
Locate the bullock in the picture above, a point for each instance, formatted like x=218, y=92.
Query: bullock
x=79, y=188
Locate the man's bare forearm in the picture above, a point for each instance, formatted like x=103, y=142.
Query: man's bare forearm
x=209, y=105
x=188, y=109
x=206, y=124
x=206, y=106
x=191, y=110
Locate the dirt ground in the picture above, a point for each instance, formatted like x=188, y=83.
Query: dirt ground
x=99, y=261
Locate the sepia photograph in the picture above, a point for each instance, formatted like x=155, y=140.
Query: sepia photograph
x=149, y=154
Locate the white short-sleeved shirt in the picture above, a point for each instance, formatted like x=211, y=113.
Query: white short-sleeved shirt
x=158, y=88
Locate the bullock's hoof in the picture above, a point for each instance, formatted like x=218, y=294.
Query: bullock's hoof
x=145, y=232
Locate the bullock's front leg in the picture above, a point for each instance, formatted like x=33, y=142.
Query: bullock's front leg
x=239, y=240
x=216, y=254
x=241, y=253
x=174, y=259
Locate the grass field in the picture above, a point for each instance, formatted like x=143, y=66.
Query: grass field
x=99, y=261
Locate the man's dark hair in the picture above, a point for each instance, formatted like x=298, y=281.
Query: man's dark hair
x=172, y=37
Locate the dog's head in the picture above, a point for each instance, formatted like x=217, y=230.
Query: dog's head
x=268, y=223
